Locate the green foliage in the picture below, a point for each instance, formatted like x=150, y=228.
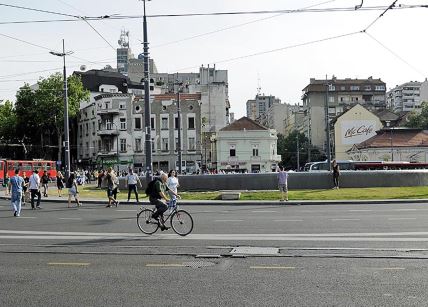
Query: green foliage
x=419, y=120
x=40, y=112
x=7, y=122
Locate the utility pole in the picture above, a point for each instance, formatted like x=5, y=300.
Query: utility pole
x=327, y=125
x=298, y=152
x=66, y=127
x=147, y=119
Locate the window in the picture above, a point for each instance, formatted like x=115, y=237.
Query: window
x=99, y=145
x=379, y=87
x=87, y=149
x=176, y=123
x=176, y=144
x=191, y=121
x=122, y=106
x=93, y=148
x=81, y=130
x=255, y=150
x=138, y=123
x=367, y=87
x=122, y=145
x=232, y=151
x=164, y=123
x=152, y=123
x=138, y=145
x=355, y=88
x=153, y=145
x=164, y=144
x=93, y=128
x=123, y=124
x=192, y=144
x=343, y=88
x=330, y=98
x=331, y=87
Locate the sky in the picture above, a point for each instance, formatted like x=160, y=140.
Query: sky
x=278, y=52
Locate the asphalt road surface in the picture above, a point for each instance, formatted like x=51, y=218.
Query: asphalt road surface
x=278, y=255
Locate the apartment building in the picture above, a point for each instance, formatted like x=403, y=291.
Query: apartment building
x=407, y=96
x=336, y=96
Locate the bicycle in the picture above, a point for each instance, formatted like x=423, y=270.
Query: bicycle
x=181, y=221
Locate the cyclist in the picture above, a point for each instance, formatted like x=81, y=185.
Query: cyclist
x=159, y=199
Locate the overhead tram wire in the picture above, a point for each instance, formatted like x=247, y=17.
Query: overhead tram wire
x=234, y=26
x=37, y=10
x=119, y=17
x=396, y=55
x=392, y=6
x=278, y=49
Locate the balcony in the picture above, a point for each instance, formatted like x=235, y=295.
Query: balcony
x=107, y=130
x=109, y=111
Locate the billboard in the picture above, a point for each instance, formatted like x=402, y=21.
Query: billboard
x=357, y=131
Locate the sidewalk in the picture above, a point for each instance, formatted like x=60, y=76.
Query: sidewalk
x=64, y=199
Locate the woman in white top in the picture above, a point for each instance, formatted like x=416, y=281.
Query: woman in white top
x=73, y=190
x=172, y=184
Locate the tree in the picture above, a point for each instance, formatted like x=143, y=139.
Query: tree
x=8, y=142
x=419, y=120
x=40, y=112
x=287, y=148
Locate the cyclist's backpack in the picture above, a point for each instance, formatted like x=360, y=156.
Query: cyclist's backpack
x=151, y=188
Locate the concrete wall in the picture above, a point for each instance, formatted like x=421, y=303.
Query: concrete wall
x=304, y=180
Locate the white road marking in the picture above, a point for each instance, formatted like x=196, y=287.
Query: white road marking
x=288, y=220
x=263, y=211
x=27, y=217
x=345, y=219
x=401, y=218
x=228, y=220
x=360, y=210
x=407, y=209
x=70, y=218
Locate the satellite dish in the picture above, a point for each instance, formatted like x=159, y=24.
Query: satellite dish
x=82, y=67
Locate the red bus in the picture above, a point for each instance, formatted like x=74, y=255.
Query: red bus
x=28, y=166
x=388, y=165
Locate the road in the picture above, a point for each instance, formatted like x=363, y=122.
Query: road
x=277, y=255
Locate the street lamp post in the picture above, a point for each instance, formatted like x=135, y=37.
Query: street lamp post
x=148, y=140
x=392, y=147
x=180, y=155
x=66, y=128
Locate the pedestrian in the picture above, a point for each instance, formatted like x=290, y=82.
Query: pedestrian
x=60, y=183
x=34, y=186
x=132, y=180
x=25, y=193
x=111, y=180
x=336, y=174
x=15, y=189
x=283, y=183
x=88, y=176
x=73, y=190
x=45, y=183
x=101, y=174
x=6, y=183
x=172, y=183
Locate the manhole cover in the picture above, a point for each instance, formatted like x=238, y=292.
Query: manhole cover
x=254, y=250
x=198, y=264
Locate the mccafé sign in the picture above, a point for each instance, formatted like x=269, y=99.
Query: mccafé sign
x=357, y=131
x=361, y=130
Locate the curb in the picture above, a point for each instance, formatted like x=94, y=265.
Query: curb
x=248, y=202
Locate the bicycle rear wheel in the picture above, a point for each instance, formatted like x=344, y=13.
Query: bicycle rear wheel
x=146, y=223
x=182, y=222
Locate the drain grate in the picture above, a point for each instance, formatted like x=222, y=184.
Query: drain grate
x=198, y=264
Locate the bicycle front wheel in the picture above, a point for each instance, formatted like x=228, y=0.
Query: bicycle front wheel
x=182, y=222
x=146, y=223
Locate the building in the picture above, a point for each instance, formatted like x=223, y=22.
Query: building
x=213, y=86
x=335, y=96
x=136, y=68
x=274, y=117
x=123, y=53
x=246, y=146
x=393, y=144
x=353, y=127
x=408, y=96
x=260, y=105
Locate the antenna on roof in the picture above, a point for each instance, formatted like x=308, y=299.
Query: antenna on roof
x=259, y=87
